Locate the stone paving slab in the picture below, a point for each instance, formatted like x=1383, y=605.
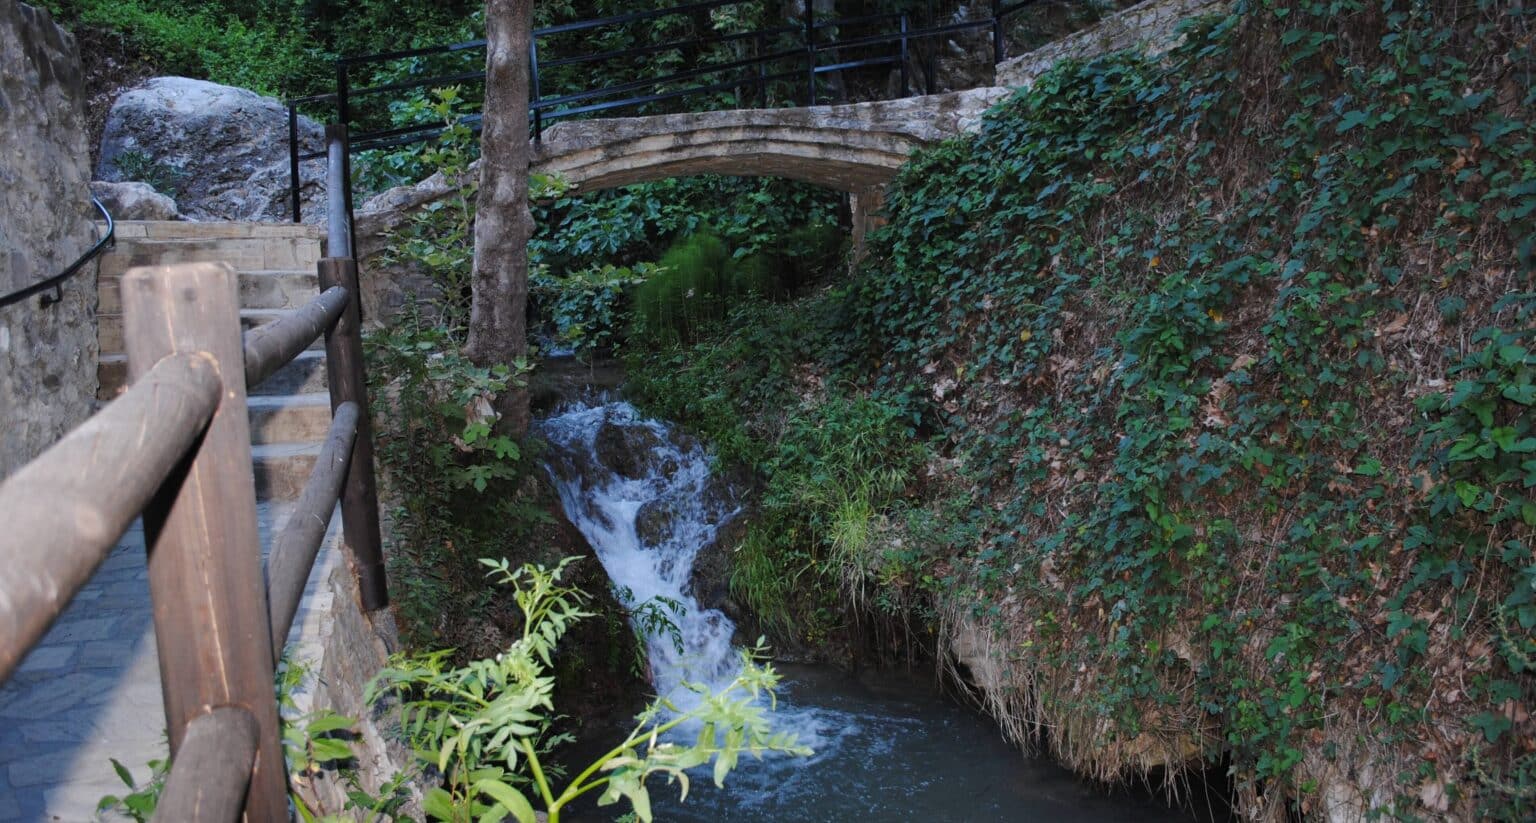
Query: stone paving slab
x=90, y=691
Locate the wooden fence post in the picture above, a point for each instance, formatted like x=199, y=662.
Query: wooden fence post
x=211, y=627
x=360, y=498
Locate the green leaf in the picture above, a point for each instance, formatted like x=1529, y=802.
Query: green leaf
x=1493, y=725
x=122, y=773
x=1523, y=393
x=438, y=803
x=329, y=722
x=330, y=750
x=511, y=799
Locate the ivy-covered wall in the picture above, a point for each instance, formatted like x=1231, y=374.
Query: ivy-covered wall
x=1225, y=365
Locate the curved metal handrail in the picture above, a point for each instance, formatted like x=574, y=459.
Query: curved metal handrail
x=57, y=282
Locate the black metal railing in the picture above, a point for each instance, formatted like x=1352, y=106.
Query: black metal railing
x=56, y=282
x=803, y=52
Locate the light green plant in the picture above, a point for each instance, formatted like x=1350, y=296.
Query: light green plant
x=140, y=801
x=485, y=726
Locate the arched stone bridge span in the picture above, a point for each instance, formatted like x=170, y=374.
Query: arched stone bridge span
x=855, y=148
x=852, y=148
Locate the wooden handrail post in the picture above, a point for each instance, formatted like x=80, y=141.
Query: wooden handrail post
x=205, y=578
x=349, y=384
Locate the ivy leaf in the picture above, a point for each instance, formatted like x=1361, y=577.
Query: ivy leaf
x=1503, y=437
x=1522, y=446
x=1352, y=119
x=1524, y=393
x=1493, y=725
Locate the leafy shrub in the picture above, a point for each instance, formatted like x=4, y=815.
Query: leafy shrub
x=460, y=488
x=485, y=726
x=586, y=309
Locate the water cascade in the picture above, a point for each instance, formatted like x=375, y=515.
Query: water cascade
x=647, y=502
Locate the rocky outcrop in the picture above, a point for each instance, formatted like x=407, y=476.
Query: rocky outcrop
x=134, y=201
x=224, y=149
x=47, y=353
x=1152, y=25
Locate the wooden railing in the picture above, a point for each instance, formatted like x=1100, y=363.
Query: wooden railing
x=176, y=449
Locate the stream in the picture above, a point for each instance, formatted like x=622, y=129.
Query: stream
x=887, y=745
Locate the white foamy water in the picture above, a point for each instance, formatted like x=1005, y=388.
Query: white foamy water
x=640, y=472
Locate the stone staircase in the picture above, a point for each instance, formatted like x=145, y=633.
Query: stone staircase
x=291, y=411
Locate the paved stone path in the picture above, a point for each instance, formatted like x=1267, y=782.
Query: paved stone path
x=90, y=691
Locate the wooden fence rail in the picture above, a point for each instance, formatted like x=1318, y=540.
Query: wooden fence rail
x=176, y=449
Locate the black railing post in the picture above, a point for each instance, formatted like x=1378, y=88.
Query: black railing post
x=906, y=77
x=293, y=161
x=810, y=52
x=533, y=89
x=338, y=218
x=343, y=94
x=997, y=32
x=762, y=71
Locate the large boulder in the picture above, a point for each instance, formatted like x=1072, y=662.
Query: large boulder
x=223, y=149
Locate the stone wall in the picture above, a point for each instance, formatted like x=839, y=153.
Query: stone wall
x=47, y=354
x=346, y=648
x=1152, y=24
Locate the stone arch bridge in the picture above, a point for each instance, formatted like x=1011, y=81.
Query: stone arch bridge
x=855, y=148
x=852, y=148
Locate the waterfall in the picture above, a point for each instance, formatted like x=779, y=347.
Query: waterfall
x=647, y=501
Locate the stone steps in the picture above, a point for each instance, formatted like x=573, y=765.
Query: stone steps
x=283, y=468
x=304, y=375
x=258, y=290
x=290, y=412
x=109, y=332
x=295, y=418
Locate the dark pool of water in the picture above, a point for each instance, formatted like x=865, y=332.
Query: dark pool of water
x=890, y=747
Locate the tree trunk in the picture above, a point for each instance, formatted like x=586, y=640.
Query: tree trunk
x=498, y=318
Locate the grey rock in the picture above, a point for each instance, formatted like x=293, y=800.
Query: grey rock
x=626, y=450
x=47, y=354
x=134, y=201
x=225, y=148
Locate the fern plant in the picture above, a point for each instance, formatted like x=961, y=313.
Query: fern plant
x=485, y=726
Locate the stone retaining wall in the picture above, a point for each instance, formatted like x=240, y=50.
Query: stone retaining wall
x=1152, y=24
x=47, y=354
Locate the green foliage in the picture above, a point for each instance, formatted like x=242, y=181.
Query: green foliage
x=1175, y=337
x=699, y=279
x=1227, y=356
x=265, y=46
x=837, y=467
x=137, y=166
x=586, y=309
x=835, y=462
x=485, y=726
x=459, y=484
x=140, y=801
x=439, y=240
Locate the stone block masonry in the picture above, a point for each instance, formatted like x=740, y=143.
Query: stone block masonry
x=47, y=354
x=1152, y=24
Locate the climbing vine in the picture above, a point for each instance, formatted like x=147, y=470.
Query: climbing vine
x=1228, y=359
